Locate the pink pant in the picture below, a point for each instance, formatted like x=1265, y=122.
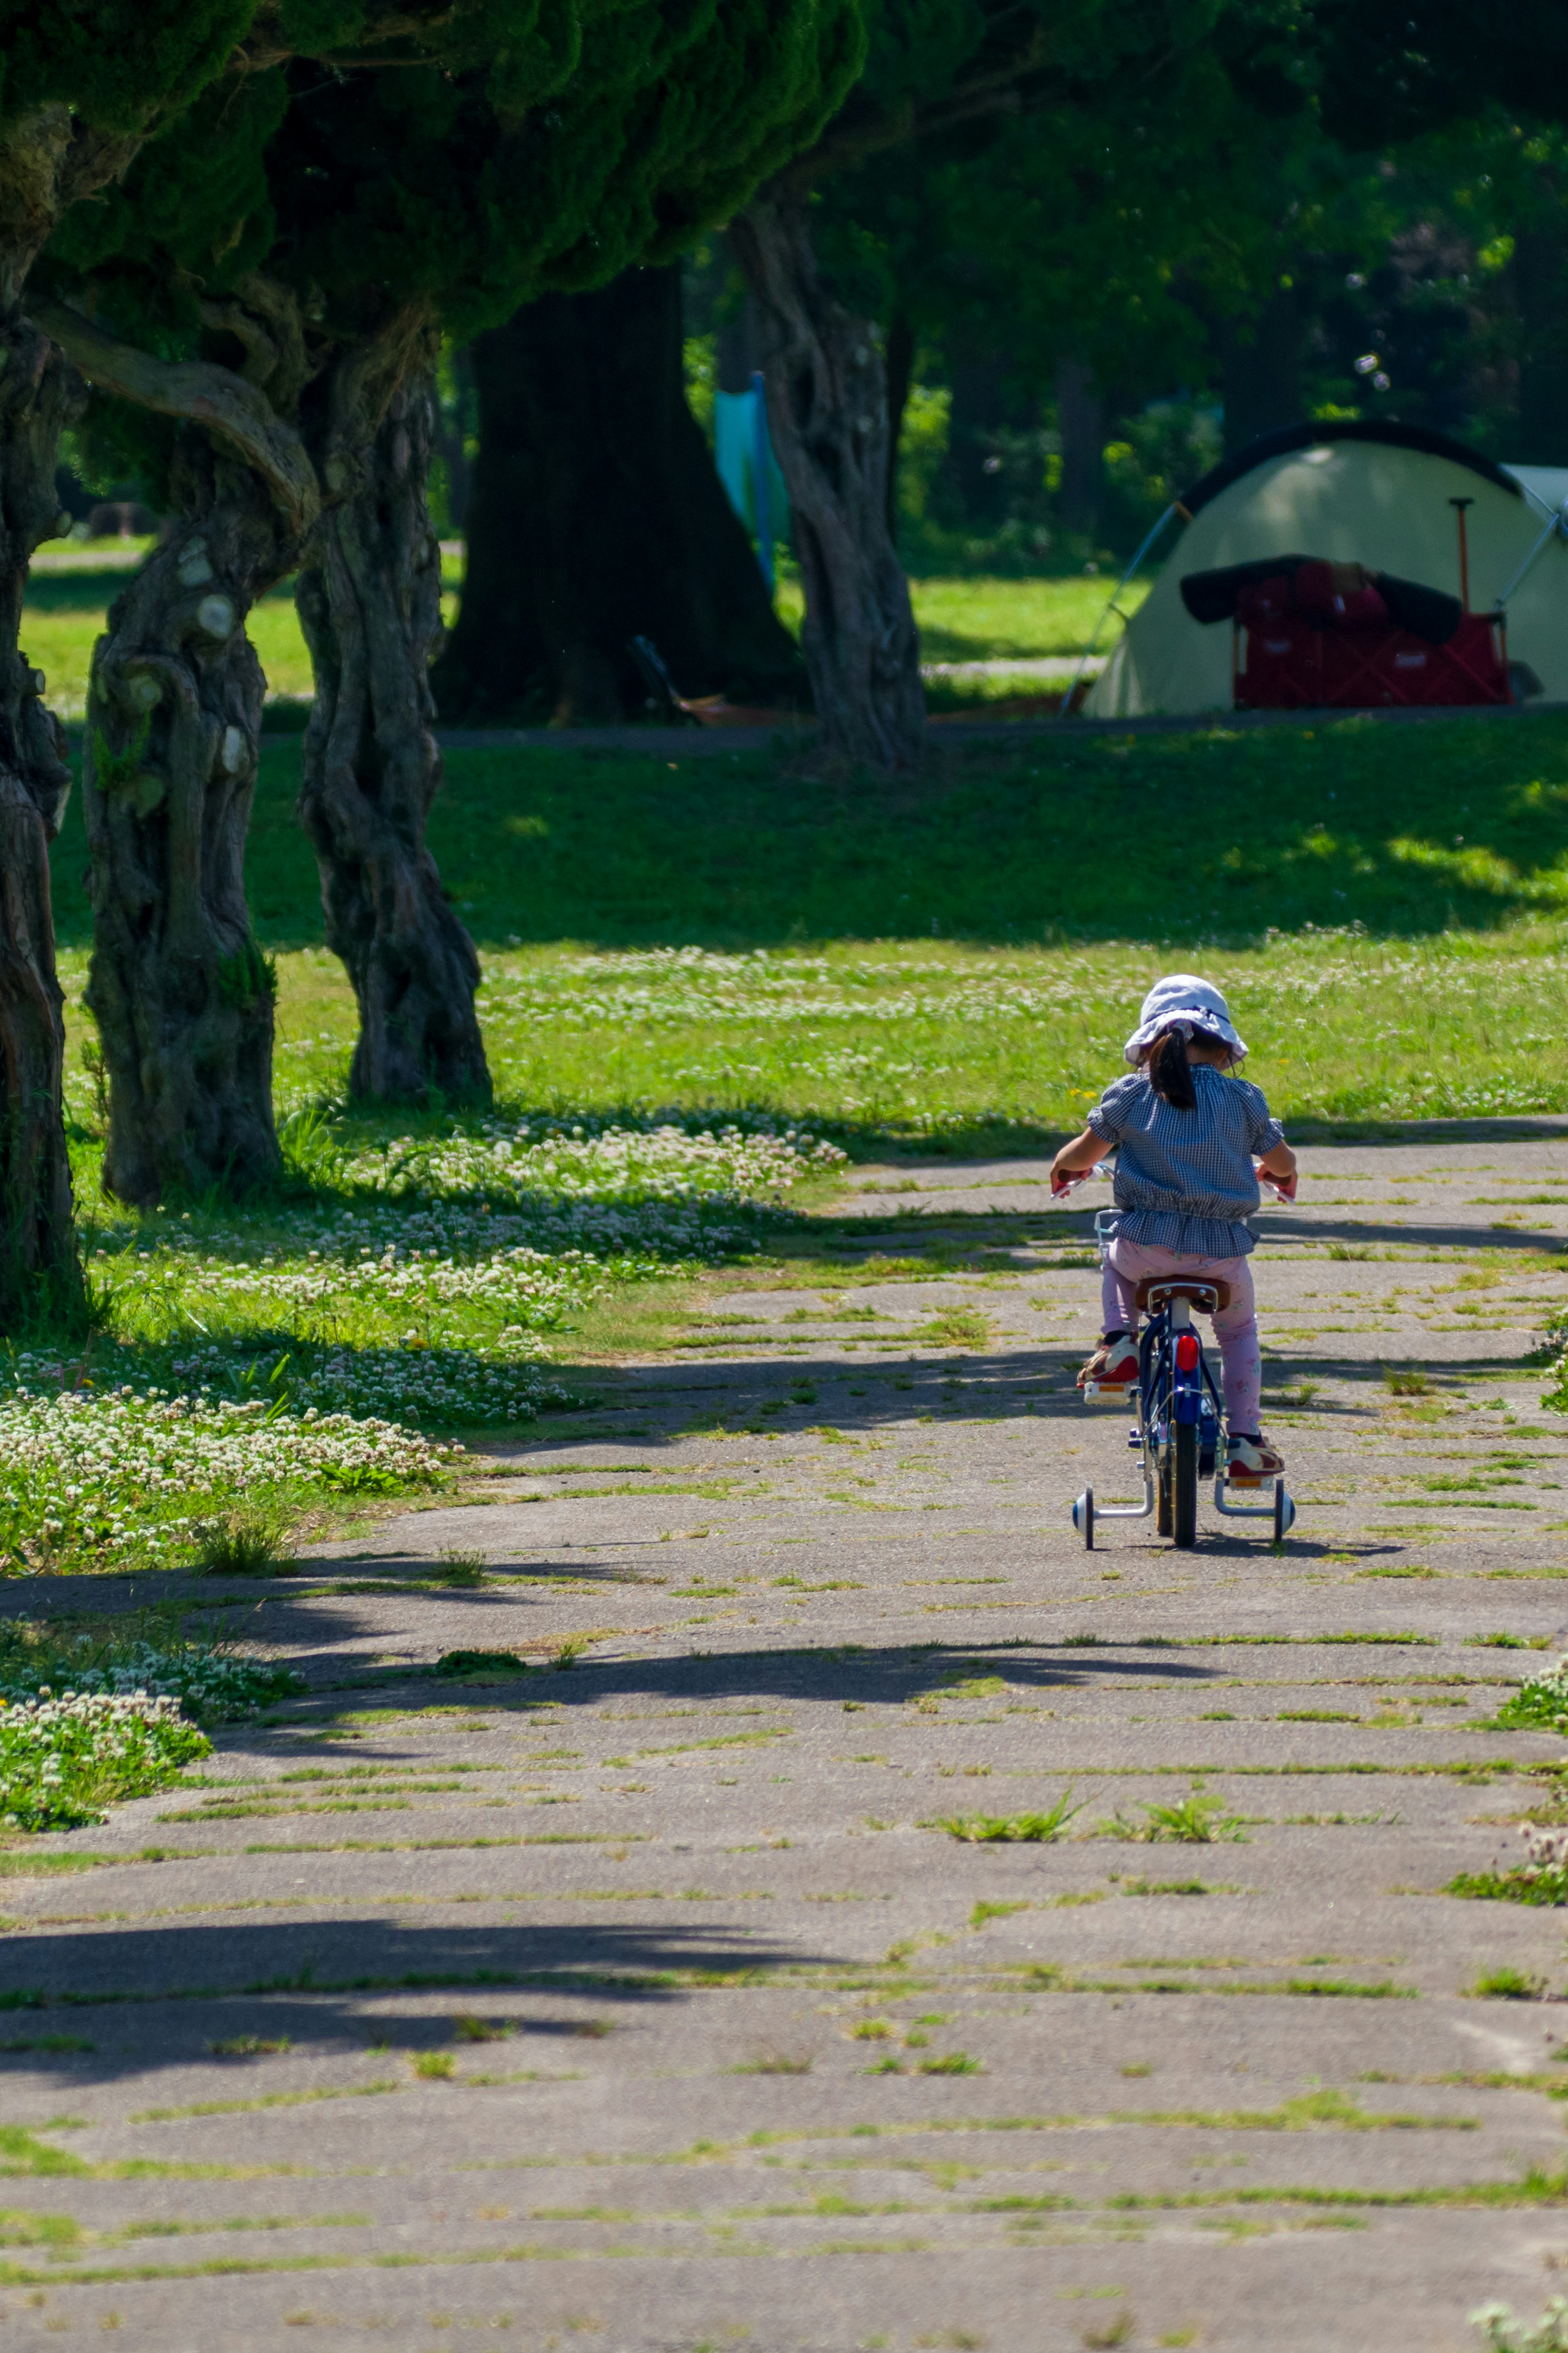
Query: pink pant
x=1236, y=1326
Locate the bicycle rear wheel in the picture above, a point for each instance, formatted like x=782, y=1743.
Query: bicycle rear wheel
x=1163, y=1512
x=1185, y=1486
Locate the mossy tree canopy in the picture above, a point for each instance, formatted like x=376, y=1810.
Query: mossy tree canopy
x=549, y=146
x=115, y=63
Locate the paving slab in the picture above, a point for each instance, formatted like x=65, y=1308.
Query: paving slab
x=654, y=1996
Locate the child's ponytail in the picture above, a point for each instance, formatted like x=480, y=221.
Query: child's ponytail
x=1170, y=1073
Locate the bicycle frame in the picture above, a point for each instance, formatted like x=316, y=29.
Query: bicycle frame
x=1170, y=1392
x=1175, y=1386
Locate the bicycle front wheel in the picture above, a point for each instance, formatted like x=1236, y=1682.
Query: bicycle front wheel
x=1185, y=1485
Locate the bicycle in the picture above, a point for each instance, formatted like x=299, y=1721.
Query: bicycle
x=1177, y=1434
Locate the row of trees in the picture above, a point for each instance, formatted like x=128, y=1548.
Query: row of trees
x=1188, y=206
x=249, y=223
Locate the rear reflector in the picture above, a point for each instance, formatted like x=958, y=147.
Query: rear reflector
x=1186, y=1352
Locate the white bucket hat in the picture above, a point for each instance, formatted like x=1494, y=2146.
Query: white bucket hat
x=1182, y=1001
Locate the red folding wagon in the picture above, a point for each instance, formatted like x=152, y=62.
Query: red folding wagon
x=1311, y=635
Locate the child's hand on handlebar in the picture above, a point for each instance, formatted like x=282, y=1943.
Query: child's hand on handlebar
x=1285, y=1186
x=1074, y=1162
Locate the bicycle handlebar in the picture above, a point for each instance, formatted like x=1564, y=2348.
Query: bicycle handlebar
x=1079, y=1176
x=1102, y=1169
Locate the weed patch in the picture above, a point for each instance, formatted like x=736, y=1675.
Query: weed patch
x=1029, y=1828
x=1507, y=1985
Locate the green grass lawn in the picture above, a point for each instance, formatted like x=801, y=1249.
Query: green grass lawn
x=994, y=620
x=70, y=590
x=961, y=621
x=949, y=958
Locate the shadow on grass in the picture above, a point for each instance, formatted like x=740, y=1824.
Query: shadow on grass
x=1215, y=836
x=1218, y=836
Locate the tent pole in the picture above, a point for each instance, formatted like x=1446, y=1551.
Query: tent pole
x=1459, y=505
x=1556, y=523
x=1175, y=507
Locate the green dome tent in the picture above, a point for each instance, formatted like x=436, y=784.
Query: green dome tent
x=1373, y=494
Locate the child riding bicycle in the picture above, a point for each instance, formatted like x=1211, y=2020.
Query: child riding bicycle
x=1190, y=1146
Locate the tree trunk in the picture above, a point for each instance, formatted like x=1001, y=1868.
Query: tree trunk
x=1080, y=426
x=828, y=409
x=596, y=516
x=370, y=605
x=40, y=392
x=183, y=996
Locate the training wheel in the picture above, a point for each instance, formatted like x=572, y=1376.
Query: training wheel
x=1083, y=1518
x=1284, y=1512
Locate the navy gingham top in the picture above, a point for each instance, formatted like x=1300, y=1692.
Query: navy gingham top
x=1185, y=1179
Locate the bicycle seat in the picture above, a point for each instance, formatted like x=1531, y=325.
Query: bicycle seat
x=1156, y=1289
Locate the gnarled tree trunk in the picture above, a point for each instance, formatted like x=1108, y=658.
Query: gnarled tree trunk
x=182, y=994
x=370, y=605
x=828, y=407
x=40, y=392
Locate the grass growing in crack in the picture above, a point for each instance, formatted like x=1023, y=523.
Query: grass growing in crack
x=480, y=1666
x=1508, y=1985
x=460, y=1565
x=1544, y=1887
x=1169, y=1887
x=955, y=1327
x=1039, y=1829
x=1540, y=1878
x=1196, y=1820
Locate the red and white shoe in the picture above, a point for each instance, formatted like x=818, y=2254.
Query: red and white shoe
x=1247, y=1460
x=1113, y=1365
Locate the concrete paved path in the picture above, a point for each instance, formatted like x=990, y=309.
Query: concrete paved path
x=649, y=2005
